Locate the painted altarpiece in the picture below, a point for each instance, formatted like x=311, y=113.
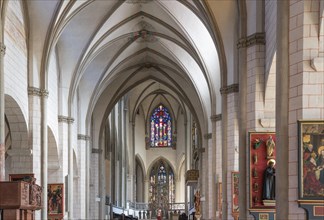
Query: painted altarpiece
x=311, y=167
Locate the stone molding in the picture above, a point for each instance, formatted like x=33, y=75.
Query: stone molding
x=37, y=92
x=96, y=151
x=208, y=136
x=217, y=117
x=44, y=93
x=230, y=89
x=65, y=119
x=317, y=64
x=254, y=39
x=83, y=137
x=20, y=152
x=2, y=48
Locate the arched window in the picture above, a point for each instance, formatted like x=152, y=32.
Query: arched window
x=161, y=128
x=162, y=186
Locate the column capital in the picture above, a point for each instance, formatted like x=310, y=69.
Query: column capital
x=96, y=151
x=217, y=117
x=44, y=93
x=2, y=48
x=254, y=39
x=65, y=119
x=83, y=137
x=37, y=92
x=208, y=136
x=229, y=89
x=34, y=91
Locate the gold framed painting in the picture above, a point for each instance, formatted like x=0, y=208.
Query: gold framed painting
x=311, y=159
x=55, y=200
x=235, y=192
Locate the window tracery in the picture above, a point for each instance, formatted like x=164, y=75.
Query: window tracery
x=161, y=128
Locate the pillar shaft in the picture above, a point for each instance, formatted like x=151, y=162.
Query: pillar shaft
x=282, y=86
x=134, y=197
x=70, y=176
x=44, y=150
x=242, y=133
x=2, y=113
x=224, y=158
x=186, y=167
x=213, y=200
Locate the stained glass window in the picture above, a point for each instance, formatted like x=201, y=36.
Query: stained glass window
x=162, y=186
x=161, y=133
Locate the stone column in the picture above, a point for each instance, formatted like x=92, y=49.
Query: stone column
x=211, y=174
x=44, y=150
x=70, y=176
x=186, y=167
x=2, y=112
x=282, y=88
x=82, y=142
x=87, y=173
x=213, y=199
x=133, y=165
x=102, y=182
x=242, y=120
x=224, y=157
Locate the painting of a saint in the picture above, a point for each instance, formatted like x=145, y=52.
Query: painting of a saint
x=55, y=199
x=312, y=159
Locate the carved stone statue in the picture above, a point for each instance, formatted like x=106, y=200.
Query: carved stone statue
x=197, y=202
x=270, y=147
x=269, y=181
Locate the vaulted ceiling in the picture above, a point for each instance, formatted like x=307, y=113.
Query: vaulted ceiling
x=107, y=48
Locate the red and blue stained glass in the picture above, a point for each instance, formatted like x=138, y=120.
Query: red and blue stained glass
x=161, y=134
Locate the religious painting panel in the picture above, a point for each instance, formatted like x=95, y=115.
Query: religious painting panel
x=262, y=155
x=55, y=200
x=235, y=194
x=311, y=159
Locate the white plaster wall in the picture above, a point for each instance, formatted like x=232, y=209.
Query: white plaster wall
x=15, y=59
x=226, y=12
x=54, y=171
x=270, y=26
x=52, y=102
x=180, y=149
x=254, y=17
x=140, y=146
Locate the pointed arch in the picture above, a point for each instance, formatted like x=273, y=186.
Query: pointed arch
x=160, y=158
x=140, y=161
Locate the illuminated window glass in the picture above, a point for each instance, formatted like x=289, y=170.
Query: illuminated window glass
x=162, y=185
x=161, y=133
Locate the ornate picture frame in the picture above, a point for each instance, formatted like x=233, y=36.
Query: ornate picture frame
x=262, y=151
x=55, y=200
x=235, y=194
x=311, y=159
